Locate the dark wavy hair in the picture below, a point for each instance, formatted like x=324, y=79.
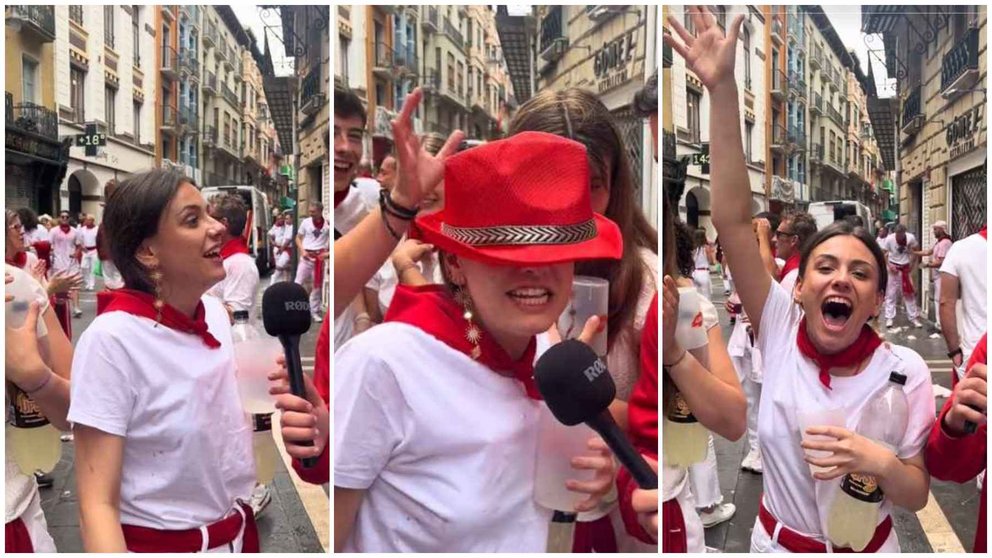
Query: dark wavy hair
x=132, y=215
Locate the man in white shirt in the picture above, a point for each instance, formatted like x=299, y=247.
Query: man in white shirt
x=237, y=289
x=964, y=273
x=67, y=248
x=937, y=254
x=898, y=248
x=281, y=238
x=314, y=244
x=88, y=264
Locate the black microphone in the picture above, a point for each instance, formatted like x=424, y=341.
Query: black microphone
x=577, y=387
x=286, y=315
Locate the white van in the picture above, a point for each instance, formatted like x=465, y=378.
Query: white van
x=827, y=212
x=261, y=220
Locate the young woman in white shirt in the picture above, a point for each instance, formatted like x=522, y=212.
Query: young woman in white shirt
x=436, y=410
x=819, y=351
x=163, y=447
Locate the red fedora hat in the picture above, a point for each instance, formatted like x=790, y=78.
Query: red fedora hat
x=523, y=200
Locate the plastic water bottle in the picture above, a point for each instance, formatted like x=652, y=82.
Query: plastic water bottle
x=255, y=354
x=853, y=515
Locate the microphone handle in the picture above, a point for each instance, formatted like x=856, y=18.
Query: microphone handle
x=605, y=426
x=971, y=427
x=294, y=366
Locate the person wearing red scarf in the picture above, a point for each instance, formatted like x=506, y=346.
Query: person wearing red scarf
x=436, y=410
x=954, y=454
x=313, y=242
x=238, y=288
x=67, y=247
x=899, y=249
x=163, y=448
x=45, y=379
x=815, y=349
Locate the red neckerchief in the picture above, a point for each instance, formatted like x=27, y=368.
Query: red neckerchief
x=142, y=304
x=907, y=281
x=65, y=228
x=316, y=225
x=432, y=309
x=236, y=245
x=790, y=264
x=339, y=197
x=984, y=232
x=862, y=348
x=19, y=260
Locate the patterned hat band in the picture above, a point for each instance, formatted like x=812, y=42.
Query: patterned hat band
x=522, y=235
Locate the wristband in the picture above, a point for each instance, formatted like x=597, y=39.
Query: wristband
x=678, y=360
x=389, y=206
x=957, y=351
x=385, y=221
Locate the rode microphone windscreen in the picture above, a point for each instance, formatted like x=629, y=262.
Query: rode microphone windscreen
x=574, y=382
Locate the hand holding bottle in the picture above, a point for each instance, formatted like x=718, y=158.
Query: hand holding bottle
x=970, y=401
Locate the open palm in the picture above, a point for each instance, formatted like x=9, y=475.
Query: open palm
x=710, y=54
x=419, y=171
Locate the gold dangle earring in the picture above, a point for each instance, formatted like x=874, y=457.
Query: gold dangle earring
x=156, y=276
x=472, y=332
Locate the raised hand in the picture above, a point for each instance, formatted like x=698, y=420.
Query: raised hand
x=419, y=171
x=710, y=54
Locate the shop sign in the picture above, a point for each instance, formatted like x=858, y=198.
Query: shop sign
x=961, y=132
x=611, y=64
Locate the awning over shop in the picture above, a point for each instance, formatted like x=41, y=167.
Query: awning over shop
x=514, y=40
x=884, y=114
x=280, y=92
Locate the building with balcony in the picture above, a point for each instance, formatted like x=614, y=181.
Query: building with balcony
x=221, y=104
x=607, y=50
x=106, y=69
x=864, y=174
x=690, y=115
x=830, y=63
x=36, y=156
x=934, y=134
x=306, y=39
x=445, y=62
x=189, y=91
x=780, y=124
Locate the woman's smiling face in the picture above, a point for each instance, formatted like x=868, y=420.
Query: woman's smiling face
x=839, y=292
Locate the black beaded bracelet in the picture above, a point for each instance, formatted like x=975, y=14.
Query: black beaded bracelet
x=393, y=233
x=389, y=206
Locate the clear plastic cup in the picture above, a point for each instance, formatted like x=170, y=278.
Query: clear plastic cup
x=557, y=444
x=689, y=330
x=255, y=359
x=819, y=417
x=590, y=297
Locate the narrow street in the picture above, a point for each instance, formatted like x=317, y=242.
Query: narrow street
x=946, y=524
x=296, y=520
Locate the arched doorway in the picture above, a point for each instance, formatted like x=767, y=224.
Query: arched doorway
x=692, y=211
x=697, y=207
x=85, y=192
x=75, y=195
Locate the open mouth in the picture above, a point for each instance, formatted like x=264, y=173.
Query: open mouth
x=530, y=296
x=212, y=254
x=343, y=166
x=836, y=311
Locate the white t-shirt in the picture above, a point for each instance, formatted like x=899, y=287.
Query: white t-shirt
x=791, y=384
x=444, y=447
x=39, y=234
x=369, y=188
x=187, y=440
x=351, y=211
x=384, y=283
x=89, y=236
x=238, y=288
x=312, y=238
x=968, y=260
x=64, y=248
x=891, y=245
x=18, y=487
x=699, y=259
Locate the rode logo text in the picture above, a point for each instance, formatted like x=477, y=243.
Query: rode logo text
x=297, y=306
x=594, y=370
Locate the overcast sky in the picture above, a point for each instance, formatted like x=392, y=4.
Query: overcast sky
x=847, y=22
x=250, y=17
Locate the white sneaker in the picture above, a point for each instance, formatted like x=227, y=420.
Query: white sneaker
x=720, y=513
x=317, y=318
x=888, y=324
x=260, y=497
x=77, y=313
x=752, y=462
x=917, y=323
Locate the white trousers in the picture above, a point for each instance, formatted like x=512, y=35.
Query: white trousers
x=936, y=295
x=88, y=269
x=34, y=521
x=703, y=479
x=892, y=293
x=695, y=533
x=701, y=278
x=304, y=276
x=763, y=541
x=752, y=391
